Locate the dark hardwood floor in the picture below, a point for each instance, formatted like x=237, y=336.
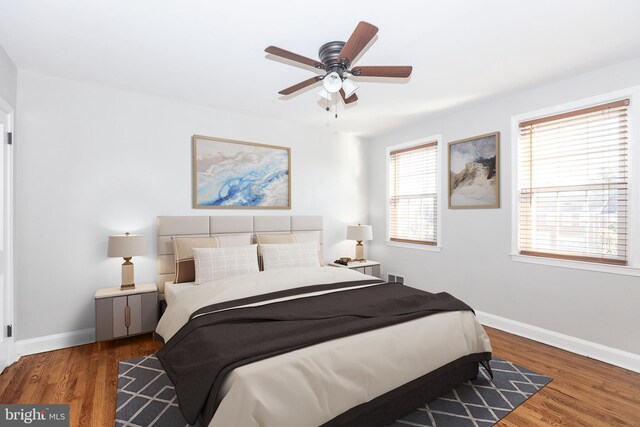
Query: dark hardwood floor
x=584, y=392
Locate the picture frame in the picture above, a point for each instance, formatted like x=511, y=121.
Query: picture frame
x=474, y=172
x=229, y=174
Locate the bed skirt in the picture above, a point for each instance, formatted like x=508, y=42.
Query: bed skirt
x=397, y=403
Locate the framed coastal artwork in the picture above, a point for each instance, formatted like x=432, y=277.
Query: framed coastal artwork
x=474, y=172
x=235, y=175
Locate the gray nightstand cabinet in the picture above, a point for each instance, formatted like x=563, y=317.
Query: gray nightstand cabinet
x=124, y=313
x=372, y=268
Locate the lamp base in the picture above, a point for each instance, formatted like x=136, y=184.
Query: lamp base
x=360, y=252
x=127, y=275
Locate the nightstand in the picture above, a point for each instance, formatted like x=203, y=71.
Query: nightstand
x=369, y=267
x=124, y=313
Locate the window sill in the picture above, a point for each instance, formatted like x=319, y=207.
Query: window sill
x=428, y=248
x=577, y=265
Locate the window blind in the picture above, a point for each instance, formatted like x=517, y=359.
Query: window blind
x=573, y=185
x=413, y=195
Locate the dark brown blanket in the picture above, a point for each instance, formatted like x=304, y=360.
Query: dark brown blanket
x=210, y=345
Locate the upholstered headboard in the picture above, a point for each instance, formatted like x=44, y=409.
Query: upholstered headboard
x=168, y=226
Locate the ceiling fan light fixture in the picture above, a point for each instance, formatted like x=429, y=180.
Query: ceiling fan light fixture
x=324, y=94
x=349, y=88
x=332, y=82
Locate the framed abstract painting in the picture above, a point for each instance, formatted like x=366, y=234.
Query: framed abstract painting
x=474, y=172
x=235, y=175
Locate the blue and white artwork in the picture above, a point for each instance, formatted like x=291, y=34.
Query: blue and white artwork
x=240, y=174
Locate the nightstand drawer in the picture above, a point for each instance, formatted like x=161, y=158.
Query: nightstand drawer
x=126, y=313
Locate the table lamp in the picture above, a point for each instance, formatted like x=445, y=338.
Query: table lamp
x=359, y=233
x=126, y=246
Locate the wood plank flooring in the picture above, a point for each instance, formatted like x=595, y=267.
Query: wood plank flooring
x=584, y=392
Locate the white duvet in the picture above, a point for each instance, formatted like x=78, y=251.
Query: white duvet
x=313, y=385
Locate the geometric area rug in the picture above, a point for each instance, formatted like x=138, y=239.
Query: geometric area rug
x=147, y=398
x=481, y=402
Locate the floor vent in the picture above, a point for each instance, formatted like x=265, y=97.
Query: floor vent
x=395, y=278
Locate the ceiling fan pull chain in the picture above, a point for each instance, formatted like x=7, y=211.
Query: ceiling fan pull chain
x=336, y=106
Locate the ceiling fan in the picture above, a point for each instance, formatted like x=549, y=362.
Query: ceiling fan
x=336, y=61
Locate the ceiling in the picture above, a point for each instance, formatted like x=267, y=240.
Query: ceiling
x=211, y=53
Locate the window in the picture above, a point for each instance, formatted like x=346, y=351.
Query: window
x=413, y=193
x=573, y=185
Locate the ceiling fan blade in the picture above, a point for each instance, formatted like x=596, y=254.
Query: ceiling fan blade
x=383, y=71
x=361, y=36
x=349, y=100
x=294, y=57
x=301, y=85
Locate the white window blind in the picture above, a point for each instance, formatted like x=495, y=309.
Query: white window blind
x=573, y=185
x=413, y=195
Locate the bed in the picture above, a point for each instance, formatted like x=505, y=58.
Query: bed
x=367, y=379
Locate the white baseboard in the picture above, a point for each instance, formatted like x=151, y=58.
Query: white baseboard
x=54, y=342
x=613, y=356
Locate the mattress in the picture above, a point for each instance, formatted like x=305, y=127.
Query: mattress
x=313, y=385
x=171, y=289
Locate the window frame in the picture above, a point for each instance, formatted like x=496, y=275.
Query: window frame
x=439, y=192
x=633, y=231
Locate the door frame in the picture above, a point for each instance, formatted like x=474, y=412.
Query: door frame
x=8, y=206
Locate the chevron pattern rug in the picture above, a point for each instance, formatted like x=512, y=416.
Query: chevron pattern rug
x=147, y=398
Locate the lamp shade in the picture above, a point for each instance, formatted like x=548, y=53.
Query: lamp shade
x=332, y=82
x=359, y=232
x=324, y=94
x=349, y=88
x=126, y=245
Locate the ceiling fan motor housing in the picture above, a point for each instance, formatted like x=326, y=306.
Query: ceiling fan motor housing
x=329, y=53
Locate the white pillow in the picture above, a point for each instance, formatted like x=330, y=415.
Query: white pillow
x=221, y=263
x=289, y=255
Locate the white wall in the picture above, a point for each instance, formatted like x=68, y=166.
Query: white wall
x=8, y=79
x=475, y=265
x=94, y=161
